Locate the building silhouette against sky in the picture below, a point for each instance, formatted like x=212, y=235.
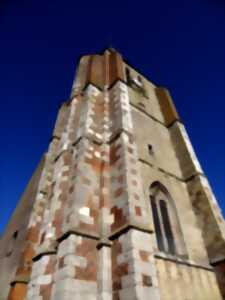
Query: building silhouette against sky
x=119, y=207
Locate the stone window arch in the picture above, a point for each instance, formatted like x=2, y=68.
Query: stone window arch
x=168, y=231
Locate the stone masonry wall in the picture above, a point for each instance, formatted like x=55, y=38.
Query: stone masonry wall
x=90, y=233
x=13, y=240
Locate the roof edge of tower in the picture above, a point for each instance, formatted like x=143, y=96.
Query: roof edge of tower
x=112, y=50
x=100, y=53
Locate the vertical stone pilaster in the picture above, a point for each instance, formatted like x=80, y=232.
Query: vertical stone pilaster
x=133, y=269
x=76, y=272
x=18, y=291
x=104, y=273
x=40, y=285
x=134, y=272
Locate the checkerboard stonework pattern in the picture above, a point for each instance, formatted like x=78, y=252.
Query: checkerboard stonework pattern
x=84, y=227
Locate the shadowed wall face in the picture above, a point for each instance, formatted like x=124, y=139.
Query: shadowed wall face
x=13, y=240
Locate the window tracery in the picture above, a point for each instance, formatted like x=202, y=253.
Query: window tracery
x=168, y=231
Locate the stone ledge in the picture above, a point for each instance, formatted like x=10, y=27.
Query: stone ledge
x=61, y=153
x=185, y=180
x=218, y=261
x=182, y=261
x=147, y=114
x=20, y=279
x=128, y=227
x=41, y=254
x=78, y=232
x=115, y=82
x=89, y=83
x=104, y=243
x=117, y=135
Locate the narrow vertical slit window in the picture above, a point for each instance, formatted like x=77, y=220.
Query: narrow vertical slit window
x=128, y=77
x=15, y=235
x=150, y=149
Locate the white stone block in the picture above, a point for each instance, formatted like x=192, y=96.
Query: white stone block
x=68, y=271
x=43, y=279
x=73, y=260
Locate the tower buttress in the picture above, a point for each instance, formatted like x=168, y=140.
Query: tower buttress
x=121, y=208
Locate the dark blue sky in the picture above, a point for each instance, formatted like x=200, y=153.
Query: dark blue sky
x=177, y=44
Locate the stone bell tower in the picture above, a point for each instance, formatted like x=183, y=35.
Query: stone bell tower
x=119, y=207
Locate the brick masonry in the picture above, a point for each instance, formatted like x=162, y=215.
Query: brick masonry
x=89, y=232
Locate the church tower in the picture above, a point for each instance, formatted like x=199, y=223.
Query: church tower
x=119, y=207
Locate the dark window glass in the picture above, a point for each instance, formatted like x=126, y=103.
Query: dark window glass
x=167, y=227
x=15, y=235
x=150, y=149
x=128, y=76
x=139, y=78
x=158, y=231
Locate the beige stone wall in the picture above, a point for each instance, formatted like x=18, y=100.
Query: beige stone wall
x=148, y=131
x=163, y=165
x=150, y=104
x=174, y=164
x=181, y=281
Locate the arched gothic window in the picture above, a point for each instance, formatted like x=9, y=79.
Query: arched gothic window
x=167, y=227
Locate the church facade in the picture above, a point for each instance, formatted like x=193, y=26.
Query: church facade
x=119, y=207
